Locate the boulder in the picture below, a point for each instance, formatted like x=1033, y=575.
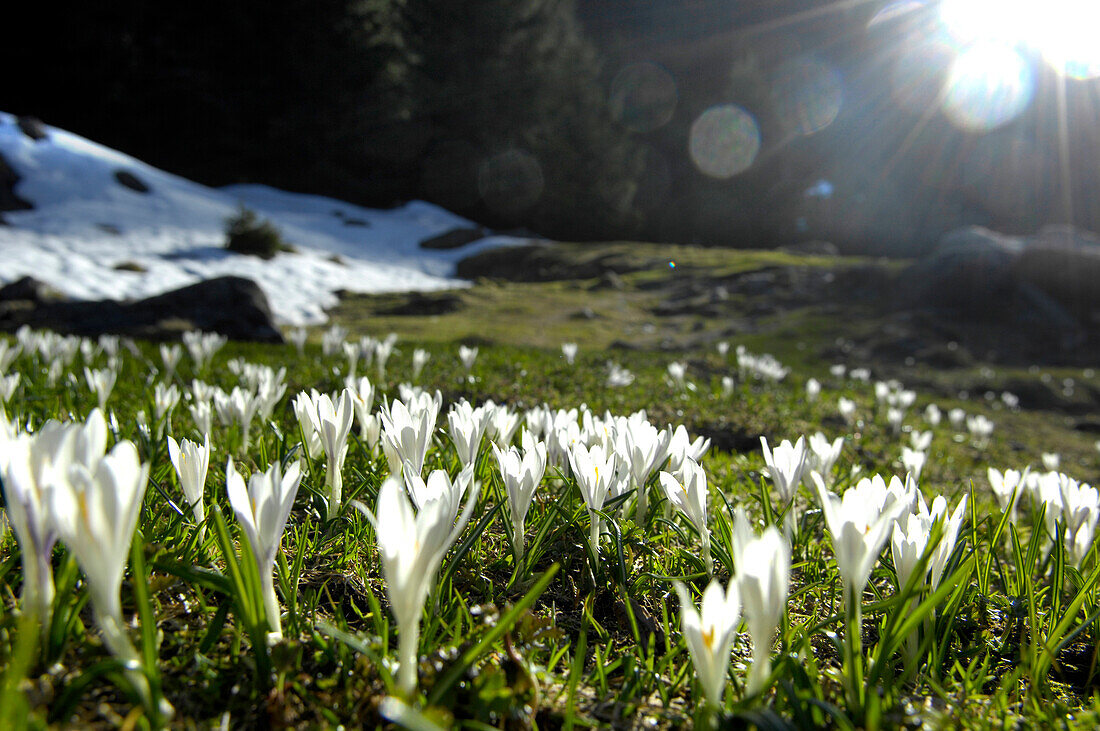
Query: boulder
x=32, y=127
x=131, y=181
x=453, y=239
x=971, y=271
x=233, y=306
x=9, y=201
x=29, y=289
x=1065, y=265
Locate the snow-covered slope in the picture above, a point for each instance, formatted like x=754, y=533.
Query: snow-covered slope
x=85, y=224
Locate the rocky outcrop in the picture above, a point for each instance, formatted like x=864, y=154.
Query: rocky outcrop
x=232, y=306
x=455, y=238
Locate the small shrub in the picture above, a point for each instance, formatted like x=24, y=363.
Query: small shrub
x=247, y=234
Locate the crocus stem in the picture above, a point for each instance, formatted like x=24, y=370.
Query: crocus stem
x=38, y=588
x=408, y=643
x=855, y=649
x=642, y=508
x=335, y=483
x=706, y=554
x=594, y=534
x=761, y=668
x=111, y=626
x=271, y=602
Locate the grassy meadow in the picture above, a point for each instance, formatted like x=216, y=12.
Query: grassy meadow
x=993, y=625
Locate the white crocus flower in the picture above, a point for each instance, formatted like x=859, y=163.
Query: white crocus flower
x=1051, y=461
x=467, y=356
x=202, y=413
x=859, y=523
x=30, y=466
x=688, y=494
x=8, y=384
x=813, y=389
x=467, y=426
x=595, y=472
x=644, y=447
x=677, y=371
x=569, y=352
x=895, y=418
x=823, y=455
x=170, y=356
x=1080, y=511
x=957, y=417
x=419, y=360
x=503, y=424
x=784, y=466
x=23, y=476
x=332, y=423
x=351, y=352
x=439, y=487
x=297, y=337
x=101, y=382
x=262, y=510
x=521, y=475
x=727, y=386
x=237, y=407
x=980, y=427
x=920, y=441
x=411, y=546
x=165, y=400
x=192, y=462
x=362, y=394
x=933, y=415
x=1007, y=487
x=332, y=339
x=383, y=349
x=406, y=435
x=913, y=462
x=95, y=511
x=709, y=634
x=763, y=577
x=303, y=405
x=681, y=446
x=846, y=408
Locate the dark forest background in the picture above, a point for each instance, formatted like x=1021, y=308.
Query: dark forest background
x=512, y=112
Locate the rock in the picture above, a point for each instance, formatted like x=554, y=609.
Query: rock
x=420, y=303
x=356, y=222
x=971, y=270
x=1065, y=265
x=32, y=127
x=9, y=200
x=129, y=266
x=453, y=239
x=233, y=306
x=29, y=289
x=542, y=262
x=131, y=181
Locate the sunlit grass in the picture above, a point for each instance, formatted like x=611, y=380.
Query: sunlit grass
x=571, y=636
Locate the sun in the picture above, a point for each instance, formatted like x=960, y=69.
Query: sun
x=1065, y=33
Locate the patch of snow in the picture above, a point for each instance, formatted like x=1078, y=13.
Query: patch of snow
x=85, y=223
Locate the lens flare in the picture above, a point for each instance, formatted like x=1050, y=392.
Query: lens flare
x=1064, y=32
x=989, y=85
x=808, y=94
x=643, y=97
x=918, y=74
x=724, y=141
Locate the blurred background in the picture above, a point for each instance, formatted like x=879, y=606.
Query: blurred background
x=875, y=126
